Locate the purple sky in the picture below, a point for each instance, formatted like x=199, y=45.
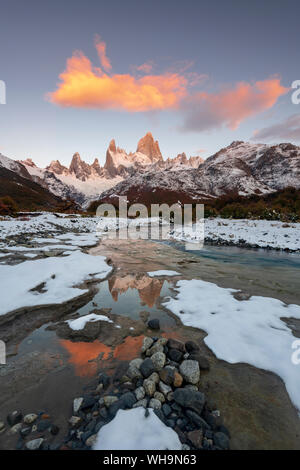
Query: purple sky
x=212, y=72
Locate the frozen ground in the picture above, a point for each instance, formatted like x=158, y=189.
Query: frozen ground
x=261, y=233
x=250, y=331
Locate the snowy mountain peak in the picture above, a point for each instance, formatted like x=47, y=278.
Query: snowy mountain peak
x=112, y=145
x=149, y=147
x=28, y=162
x=56, y=167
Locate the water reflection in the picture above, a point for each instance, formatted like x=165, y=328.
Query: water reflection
x=149, y=289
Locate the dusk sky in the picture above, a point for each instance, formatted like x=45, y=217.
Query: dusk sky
x=197, y=74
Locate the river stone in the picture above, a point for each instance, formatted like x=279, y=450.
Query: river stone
x=147, y=367
x=143, y=403
x=158, y=360
x=167, y=375
x=91, y=440
x=104, y=379
x=147, y=343
x=14, y=418
x=175, y=355
x=159, y=396
x=128, y=399
x=154, y=377
x=196, y=419
x=109, y=400
x=74, y=421
x=15, y=428
x=190, y=371
x=189, y=399
x=177, y=379
x=221, y=440
x=77, y=402
x=25, y=431
x=154, y=324
x=164, y=388
x=196, y=438
x=167, y=410
x=191, y=347
x=34, y=444
x=133, y=371
x=175, y=344
x=191, y=387
x=202, y=360
x=155, y=404
x=30, y=418
x=149, y=387
x=139, y=393
x=158, y=346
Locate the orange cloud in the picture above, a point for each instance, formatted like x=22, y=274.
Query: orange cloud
x=147, y=67
x=231, y=106
x=101, y=49
x=85, y=86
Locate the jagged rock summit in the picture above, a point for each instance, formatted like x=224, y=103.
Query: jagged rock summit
x=148, y=146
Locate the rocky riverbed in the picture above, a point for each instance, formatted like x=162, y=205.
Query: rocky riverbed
x=166, y=377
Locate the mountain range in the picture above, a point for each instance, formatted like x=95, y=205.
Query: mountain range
x=241, y=169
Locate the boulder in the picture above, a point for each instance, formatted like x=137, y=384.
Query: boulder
x=189, y=399
x=190, y=371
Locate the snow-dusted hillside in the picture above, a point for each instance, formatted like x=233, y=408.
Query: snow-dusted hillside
x=239, y=169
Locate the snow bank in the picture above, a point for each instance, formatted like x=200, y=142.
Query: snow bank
x=249, y=331
x=255, y=232
x=131, y=430
x=49, y=280
x=163, y=272
x=80, y=322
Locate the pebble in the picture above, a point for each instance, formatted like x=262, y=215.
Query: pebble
x=150, y=387
x=147, y=343
x=147, y=367
x=175, y=344
x=139, y=393
x=158, y=360
x=30, y=418
x=14, y=418
x=178, y=379
x=190, y=371
x=77, y=402
x=191, y=346
x=143, y=403
x=91, y=440
x=155, y=404
x=75, y=421
x=109, y=400
x=35, y=444
x=154, y=377
x=15, y=428
x=167, y=375
x=159, y=396
x=164, y=388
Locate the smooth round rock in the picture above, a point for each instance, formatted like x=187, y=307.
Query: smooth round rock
x=190, y=371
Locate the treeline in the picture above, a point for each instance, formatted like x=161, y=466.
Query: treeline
x=283, y=205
